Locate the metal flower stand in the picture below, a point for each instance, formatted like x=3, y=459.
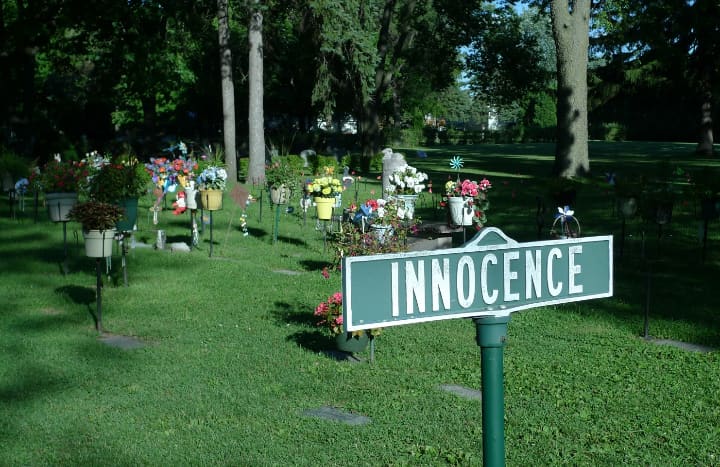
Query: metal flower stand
x=98, y=287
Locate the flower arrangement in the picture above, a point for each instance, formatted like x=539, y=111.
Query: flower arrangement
x=96, y=215
x=279, y=172
x=59, y=176
x=407, y=181
x=121, y=179
x=184, y=171
x=212, y=178
x=161, y=172
x=325, y=187
x=380, y=212
x=329, y=315
x=474, y=194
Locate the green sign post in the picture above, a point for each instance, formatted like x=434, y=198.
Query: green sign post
x=487, y=279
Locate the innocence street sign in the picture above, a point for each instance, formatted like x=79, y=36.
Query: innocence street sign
x=491, y=275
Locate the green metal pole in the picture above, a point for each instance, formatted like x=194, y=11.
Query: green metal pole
x=491, y=337
x=277, y=222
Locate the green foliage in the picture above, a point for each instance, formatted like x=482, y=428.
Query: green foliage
x=123, y=178
x=281, y=172
x=96, y=215
x=13, y=164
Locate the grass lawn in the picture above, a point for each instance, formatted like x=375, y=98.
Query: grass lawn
x=232, y=360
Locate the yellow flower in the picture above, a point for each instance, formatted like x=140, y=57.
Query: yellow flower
x=327, y=190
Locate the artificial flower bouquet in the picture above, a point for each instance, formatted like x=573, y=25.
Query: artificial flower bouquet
x=407, y=181
x=474, y=194
x=58, y=176
x=324, y=187
x=329, y=314
x=212, y=178
x=379, y=212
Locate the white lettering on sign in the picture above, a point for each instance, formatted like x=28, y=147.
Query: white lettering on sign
x=510, y=275
x=554, y=289
x=414, y=287
x=440, y=284
x=443, y=291
x=533, y=273
x=488, y=298
x=465, y=300
x=574, y=269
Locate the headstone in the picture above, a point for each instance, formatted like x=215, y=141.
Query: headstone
x=338, y=415
x=347, y=179
x=392, y=161
x=304, y=154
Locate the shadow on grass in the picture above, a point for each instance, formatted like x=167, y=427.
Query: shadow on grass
x=310, y=265
x=313, y=340
x=82, y=296
x=292, y=240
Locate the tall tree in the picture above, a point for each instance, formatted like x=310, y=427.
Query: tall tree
x=571, y=28
x=365, y=47
x=228, y=90
x=256, y=119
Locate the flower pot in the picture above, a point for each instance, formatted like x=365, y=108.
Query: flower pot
x=127, y=223
x=627, y=206
x=461, y=212
x=99, y=243
x=211, y=200
x=408, y=202
x=191, y=198
x=381, y=232
x=346, y=342
x=59, y=205
x=279, y=194
x=324, y=208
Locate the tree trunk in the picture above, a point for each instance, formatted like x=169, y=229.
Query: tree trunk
x=571, y=33
x=389, y=54
x=256, y=136
x=149, y=106
x=228, y=91
x=705, y=146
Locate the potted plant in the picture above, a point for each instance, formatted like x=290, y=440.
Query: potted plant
x=281, y=180
x=61, y=180
x=184, y=168
x=405, y=184
x=98, y=220
x=121, y=182
x=329, y=314
x=12, y=168
x=628, y=194
x=467, y=201
x=658, y=199
x=324, y=190
x=211, y=182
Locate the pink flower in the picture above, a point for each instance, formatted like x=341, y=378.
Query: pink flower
x=325, y=273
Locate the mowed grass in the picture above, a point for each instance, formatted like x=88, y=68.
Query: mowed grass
x=232, y=359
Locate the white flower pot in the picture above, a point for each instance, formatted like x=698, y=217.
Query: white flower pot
x=99, y=243
x=59, y=205
x=381, y=232
x=461, y=212
x=408, y=202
